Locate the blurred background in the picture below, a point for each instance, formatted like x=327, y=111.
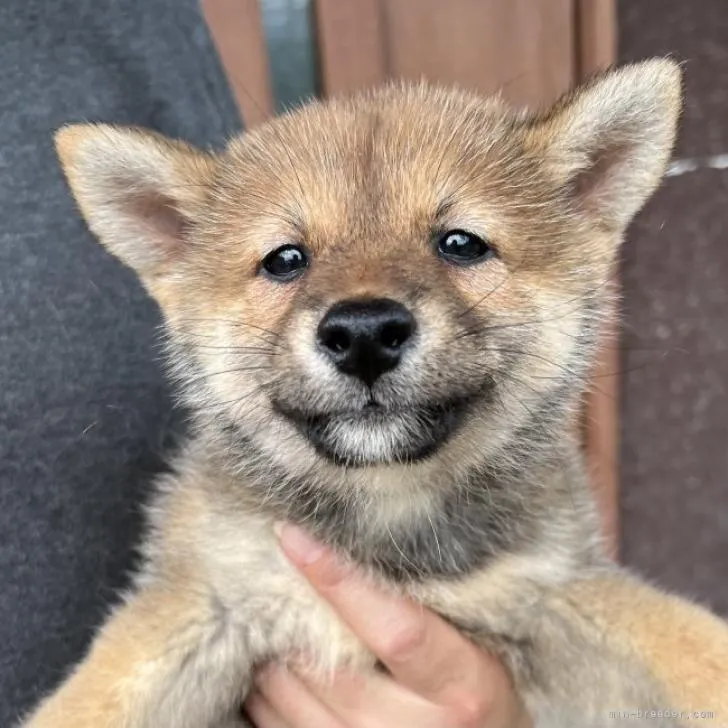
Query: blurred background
x=656, y=423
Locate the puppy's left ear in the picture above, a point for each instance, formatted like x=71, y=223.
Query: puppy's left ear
x=609, y=141
x=139, y=192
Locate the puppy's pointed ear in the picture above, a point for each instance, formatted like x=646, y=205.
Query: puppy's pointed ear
x=610, y=140
x=138, y=191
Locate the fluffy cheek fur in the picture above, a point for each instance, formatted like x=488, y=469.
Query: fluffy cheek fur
x=489, y=335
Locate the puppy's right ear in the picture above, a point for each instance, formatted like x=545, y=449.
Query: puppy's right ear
x=608, y=142
x=138, y=191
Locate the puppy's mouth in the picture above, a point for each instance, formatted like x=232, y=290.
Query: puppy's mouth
x=378, y=434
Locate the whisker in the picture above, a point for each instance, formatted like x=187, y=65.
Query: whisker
x=234, y=370
x=577, y=300
x=235, y=348
x=234, y=322
x=472, y=308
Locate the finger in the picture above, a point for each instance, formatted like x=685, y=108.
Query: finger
x=422, y=651
x=374, y=700
x=262, y=713
x=290, y=698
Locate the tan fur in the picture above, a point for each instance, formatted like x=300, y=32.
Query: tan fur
x=686, y=646
x=365, y=185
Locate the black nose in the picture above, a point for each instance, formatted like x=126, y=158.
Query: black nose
x=365, y=338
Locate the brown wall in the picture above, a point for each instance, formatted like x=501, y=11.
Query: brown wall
x=674, y=507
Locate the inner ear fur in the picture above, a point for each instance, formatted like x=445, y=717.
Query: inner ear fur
x=609, y=141
x=137, y=190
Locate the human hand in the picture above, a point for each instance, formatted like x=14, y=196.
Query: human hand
x=438, y=679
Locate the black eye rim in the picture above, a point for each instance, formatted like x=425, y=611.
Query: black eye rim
x=487, y=251
x=263, y=267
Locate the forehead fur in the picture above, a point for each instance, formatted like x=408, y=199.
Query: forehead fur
x=383, y=165
x=364, y=140
x=396, y=125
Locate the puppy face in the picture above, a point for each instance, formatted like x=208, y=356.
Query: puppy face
x=393, y=283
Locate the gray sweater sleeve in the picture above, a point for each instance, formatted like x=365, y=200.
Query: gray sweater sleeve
x=84, y=410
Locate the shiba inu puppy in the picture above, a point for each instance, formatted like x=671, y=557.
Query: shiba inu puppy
x=380, y=313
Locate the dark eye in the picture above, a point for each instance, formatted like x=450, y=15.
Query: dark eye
x=462, y=248
x=285, y=263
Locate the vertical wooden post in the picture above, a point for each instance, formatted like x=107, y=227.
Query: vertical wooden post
x=520, y=48
x=351, y=45
x=523, y=49
x=236, y=27
x=596, y=25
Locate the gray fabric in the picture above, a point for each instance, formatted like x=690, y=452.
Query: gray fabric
x=84, y=411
